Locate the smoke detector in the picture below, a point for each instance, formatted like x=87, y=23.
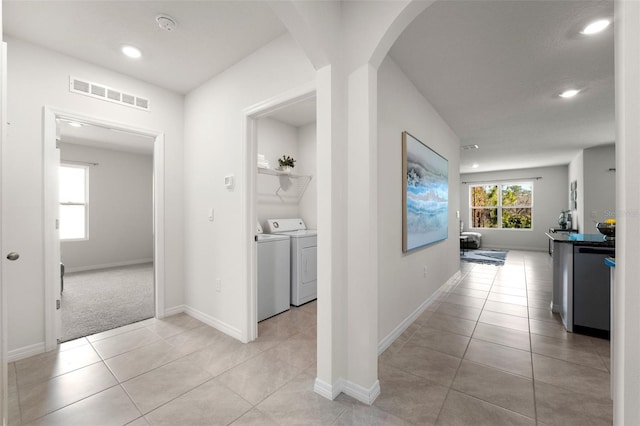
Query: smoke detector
x=167, y=23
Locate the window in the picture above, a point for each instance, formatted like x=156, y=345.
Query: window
x=501, y=206
x=73, y=202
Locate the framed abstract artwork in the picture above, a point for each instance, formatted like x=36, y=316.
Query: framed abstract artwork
x=425, y=195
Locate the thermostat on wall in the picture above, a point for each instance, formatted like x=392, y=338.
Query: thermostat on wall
x=228, y=181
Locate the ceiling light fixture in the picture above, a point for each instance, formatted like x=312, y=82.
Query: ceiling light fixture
x=475, y=165
x=569, y=93
x=468, y=147
x=166, y=22
x=131, y=52
x=596, y=27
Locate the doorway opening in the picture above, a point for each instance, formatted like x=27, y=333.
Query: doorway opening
x=127, y=276
x=292, y=113
x=106, y=228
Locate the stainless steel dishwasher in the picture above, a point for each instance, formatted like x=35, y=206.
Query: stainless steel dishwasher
x=591, y=295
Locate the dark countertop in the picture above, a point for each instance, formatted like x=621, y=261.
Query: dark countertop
x=581, y=239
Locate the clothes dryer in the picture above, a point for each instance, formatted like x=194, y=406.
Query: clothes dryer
x=304, y=257
x=274, y=268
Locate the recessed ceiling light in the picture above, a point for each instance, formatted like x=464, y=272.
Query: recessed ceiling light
x=569, y=93
x=596, y=27
x=75, y=124
x=131, y=52
x=475, y=165
x=468, y=147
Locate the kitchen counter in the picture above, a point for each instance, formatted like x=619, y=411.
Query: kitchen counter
x=581, y=281
x=581, y=239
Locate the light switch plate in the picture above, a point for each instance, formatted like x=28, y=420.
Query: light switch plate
x=228, y=181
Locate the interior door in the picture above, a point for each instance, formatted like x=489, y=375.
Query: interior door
x=4, y=406
x=51, y=234
x=55, y=177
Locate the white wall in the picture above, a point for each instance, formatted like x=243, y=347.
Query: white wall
x=39, y=77
x=214, y=148
x=550, y=195
x=276, y=138
x=308, y=207
x=120, y=209
x=596, y=186
x=576, y=174
x=599, y=186
x=402, y=284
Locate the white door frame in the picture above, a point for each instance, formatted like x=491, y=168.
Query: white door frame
x=250, y=117
x=51, y=240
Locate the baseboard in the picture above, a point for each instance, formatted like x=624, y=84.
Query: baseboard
x=174, y=310
x=364, y=395
x=25, y=352
x=214, y=322
x=391, y=337
x=68, y=270
x=326, y=390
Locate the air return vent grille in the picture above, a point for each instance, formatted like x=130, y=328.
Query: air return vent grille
x=100, y=91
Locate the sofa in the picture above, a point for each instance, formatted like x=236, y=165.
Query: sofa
x=474, y=239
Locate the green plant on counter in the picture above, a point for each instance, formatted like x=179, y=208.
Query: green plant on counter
x=286, y=161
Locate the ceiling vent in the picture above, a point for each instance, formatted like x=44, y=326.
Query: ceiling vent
x=100, y=91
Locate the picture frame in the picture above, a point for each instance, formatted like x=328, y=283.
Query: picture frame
x=425, y=195
x=574, y=195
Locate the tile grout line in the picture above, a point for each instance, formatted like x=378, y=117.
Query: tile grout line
x=533, y=374
x=463, y=355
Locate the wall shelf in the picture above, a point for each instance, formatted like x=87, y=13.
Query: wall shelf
x=284, y=186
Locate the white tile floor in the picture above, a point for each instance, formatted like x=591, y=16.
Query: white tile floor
x=486, y=352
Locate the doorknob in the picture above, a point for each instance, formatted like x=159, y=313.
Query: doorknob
x=13, y=256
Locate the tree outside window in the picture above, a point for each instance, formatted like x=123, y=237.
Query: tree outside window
x=502, y=206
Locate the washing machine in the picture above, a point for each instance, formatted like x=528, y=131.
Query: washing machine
x=274, y=269
x=304, y=257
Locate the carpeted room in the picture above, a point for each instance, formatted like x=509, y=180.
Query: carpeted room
x=107, y=246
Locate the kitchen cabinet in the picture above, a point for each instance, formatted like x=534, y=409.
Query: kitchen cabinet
x=581, y=290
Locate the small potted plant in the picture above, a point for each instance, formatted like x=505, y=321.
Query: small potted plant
x=286, y=163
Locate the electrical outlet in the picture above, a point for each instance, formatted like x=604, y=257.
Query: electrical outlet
x=218, y=285
x=425, y=271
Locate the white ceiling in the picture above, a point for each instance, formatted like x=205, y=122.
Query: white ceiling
x=493, y=70
x=298, y=114
x=210, y=36
x=105, y=138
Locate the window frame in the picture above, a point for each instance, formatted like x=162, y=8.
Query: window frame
x=499, y=207
x=71, y=203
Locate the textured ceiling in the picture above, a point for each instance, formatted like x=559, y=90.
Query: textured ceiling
x=493, y=70
x=210, y=36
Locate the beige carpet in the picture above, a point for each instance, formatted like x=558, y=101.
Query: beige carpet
x=96, y=301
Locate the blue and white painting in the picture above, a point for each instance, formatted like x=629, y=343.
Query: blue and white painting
x=426, y=194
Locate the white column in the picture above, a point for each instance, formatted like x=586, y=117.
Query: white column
x=627, y=315
x=332, y=253
x=362, y=382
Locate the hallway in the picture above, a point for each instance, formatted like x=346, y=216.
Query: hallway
x=486, y=352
